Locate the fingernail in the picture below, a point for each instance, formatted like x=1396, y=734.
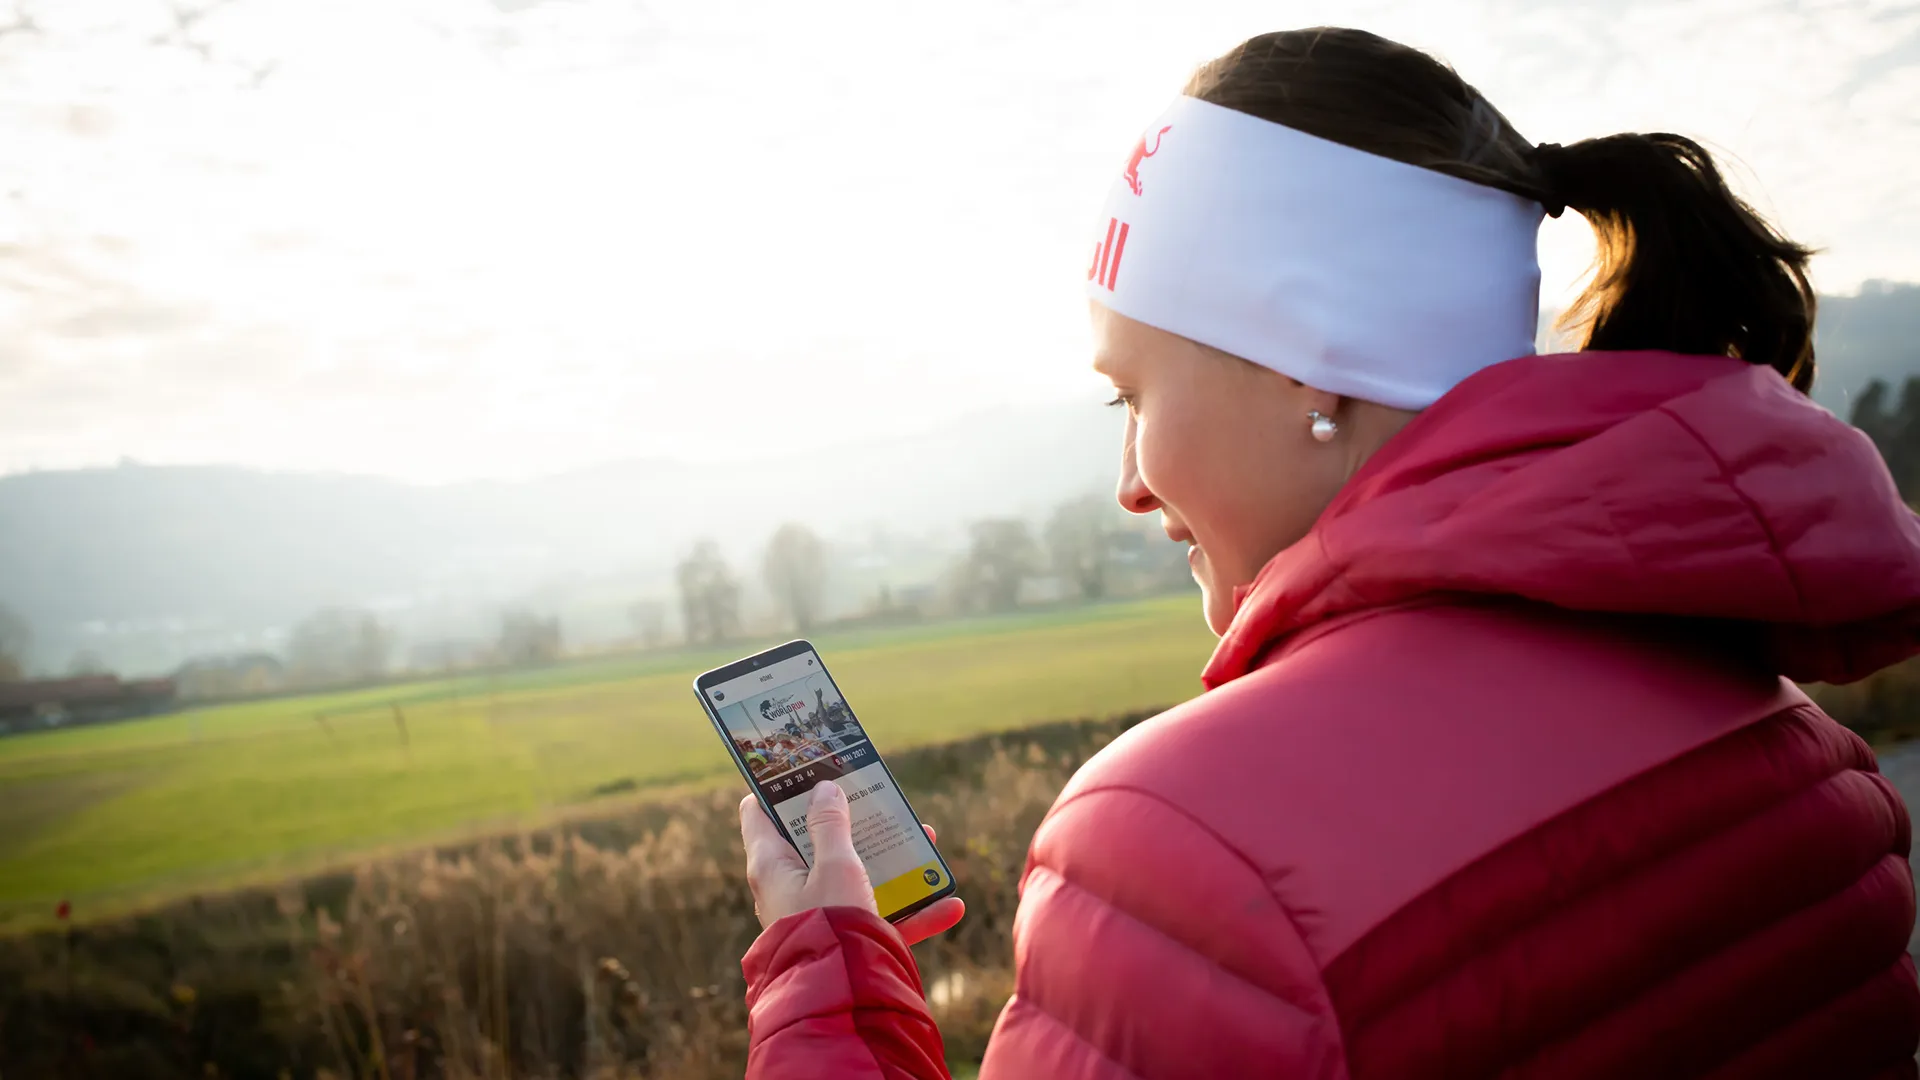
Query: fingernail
x=823, y=793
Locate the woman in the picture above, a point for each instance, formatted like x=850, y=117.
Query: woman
x=1548, y=805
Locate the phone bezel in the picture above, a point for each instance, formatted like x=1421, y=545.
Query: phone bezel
x=787, y=650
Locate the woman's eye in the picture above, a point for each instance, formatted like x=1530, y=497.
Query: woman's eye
x=1122, y=399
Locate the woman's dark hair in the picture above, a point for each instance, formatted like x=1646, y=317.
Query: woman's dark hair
x=1684, y=264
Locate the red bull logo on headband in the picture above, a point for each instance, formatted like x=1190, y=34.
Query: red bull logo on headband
x=1140, y=154
x=1106, y=255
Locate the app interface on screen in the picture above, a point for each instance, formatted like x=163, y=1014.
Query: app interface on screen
x=793, y=730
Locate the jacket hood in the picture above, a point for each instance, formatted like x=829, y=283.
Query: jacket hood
x=1628, y=483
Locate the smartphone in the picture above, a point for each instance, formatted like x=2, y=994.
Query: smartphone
x=788, y=727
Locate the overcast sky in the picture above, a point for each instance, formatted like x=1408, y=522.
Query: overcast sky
x=438, y=239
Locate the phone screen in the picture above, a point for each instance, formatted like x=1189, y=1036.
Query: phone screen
x=790, y=729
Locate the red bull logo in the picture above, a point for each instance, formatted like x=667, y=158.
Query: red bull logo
x=1105, y=268
x=1140, y=154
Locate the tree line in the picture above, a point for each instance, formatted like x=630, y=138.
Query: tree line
x=332, y=647
x=1894, y=426
x=1081, y=546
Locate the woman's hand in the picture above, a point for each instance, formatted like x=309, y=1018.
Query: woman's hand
x=782, y=884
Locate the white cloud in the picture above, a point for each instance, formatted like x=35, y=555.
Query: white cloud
x=441, y=238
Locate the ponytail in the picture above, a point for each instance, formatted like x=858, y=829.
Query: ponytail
x=1684, y=265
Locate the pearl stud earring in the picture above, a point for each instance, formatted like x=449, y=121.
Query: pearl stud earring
x=1324, y=428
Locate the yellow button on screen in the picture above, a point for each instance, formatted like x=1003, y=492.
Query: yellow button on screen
x=909, y=888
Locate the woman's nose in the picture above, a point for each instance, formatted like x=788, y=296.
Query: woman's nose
x=1133, y=494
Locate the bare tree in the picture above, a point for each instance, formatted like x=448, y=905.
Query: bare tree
x=1002, y=557
x=1080, y=539
x=16, y=641
x=649, y=619
x=338, y=645
x=709, y=594
x=527, y=639
x=796, y=573
x=1894, y=429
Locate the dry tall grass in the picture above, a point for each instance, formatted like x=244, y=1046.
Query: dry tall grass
x=568, y=958
x=1884, y=709
x=606, y=951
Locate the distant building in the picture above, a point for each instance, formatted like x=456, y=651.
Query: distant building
x=89, y=699
x=241, y=675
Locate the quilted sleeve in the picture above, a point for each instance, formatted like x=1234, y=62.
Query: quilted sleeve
x=833, y=993
x=1149, y=948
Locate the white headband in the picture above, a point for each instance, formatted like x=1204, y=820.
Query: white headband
x=1353, y=273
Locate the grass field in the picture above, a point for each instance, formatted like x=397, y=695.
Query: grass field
x=117, y=817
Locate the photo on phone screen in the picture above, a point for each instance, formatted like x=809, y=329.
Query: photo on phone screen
x=789, y=728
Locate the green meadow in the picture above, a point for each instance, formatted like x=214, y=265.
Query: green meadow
x=118, y=817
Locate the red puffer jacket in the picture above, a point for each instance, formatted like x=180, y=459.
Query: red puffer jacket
x=1496, y=773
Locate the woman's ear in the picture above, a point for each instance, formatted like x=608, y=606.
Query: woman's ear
x=1320, y=403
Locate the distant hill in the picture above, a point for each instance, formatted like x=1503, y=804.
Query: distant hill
x=1875, y=334
x=219, y=554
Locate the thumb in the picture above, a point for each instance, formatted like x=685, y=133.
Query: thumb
x=830, y=823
